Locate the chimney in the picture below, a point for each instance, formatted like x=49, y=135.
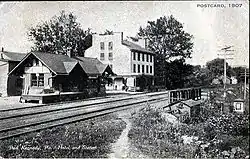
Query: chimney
x=121, y=36
x=68, y=52
x=146, y=43
x=142, y=42
x=2, y=49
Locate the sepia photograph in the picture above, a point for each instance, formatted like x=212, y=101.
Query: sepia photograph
x=124, y=79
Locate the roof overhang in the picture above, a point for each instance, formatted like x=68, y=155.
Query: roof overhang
x=26, y=58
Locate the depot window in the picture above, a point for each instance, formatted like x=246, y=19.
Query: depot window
x=37, y=79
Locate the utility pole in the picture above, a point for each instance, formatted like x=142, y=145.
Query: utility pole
x=225, y=49
x=245, y=84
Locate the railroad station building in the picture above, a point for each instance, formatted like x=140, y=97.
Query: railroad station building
x=8, y=60
x=40, y=72
x=129, y=59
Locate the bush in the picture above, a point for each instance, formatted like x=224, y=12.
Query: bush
x=158, y=138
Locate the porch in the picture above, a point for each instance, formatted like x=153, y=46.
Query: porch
x=62, y=96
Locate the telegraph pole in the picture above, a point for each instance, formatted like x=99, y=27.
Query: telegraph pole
x=225, y=49
x=245, y=84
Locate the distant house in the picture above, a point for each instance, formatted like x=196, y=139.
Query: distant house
x=239, y=105
x=39, y=71
x=8, y=60
x=220, y=80
x=233, y=80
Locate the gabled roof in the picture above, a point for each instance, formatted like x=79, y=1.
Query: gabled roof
x=134, y=47
x=56, y=62
x=63, y=64
x=92, y=66
x=191, y=102
x=69, y=66
x=12, y=56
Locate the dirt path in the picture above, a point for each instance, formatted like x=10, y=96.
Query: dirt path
x=122, y=148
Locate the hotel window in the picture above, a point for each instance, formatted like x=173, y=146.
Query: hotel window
x=134, y=56
x=147, y=69
x=142, y=69
x=151, y=70
x=147, y=57
x=102, y=56
x=102, y=45
x=151, y=58
x=37, y=81
x=142, y=57
x=110, y=56
x=134, y=68
x=110, y=45
x=139, y=69
x=138, y=56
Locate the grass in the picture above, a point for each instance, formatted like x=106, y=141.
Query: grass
x=84, y=139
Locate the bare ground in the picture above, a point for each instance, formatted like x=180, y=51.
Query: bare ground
x=122, y=148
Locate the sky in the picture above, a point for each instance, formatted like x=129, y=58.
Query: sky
x=212, y=27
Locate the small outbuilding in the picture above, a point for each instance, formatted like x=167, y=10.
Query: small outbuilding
x=239, y=105
x=185, y=109
x=9, y=60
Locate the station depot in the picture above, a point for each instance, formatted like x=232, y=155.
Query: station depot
x=44, y=77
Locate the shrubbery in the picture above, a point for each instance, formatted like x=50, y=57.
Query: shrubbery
x=217, y=136
x=89, y=138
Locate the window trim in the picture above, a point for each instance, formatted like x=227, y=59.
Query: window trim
x=37, y=80
x=134, y=55
x=102, y=47
x=110, y=47
x=102, y=57
x=110, y=57
x=134, y=68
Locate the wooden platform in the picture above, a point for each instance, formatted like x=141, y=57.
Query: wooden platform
x=53, y=97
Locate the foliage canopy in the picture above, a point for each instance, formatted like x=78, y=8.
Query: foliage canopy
x=60, y=35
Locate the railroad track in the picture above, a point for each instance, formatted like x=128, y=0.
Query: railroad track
x=18, y=122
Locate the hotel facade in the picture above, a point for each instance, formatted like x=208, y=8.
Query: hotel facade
x=130, y=60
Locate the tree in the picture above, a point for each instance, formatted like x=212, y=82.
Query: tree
x=216, y=68
x=198, y=77
x=60, y=35
x=169, y=41
x=108, y=32
x=177, y=73
x=239, y=73
x=167, y=38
